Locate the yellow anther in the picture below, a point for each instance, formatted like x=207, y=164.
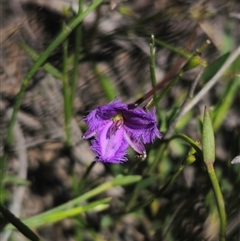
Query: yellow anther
x=117, y=117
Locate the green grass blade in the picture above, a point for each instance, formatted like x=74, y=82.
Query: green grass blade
x=106, y=84
x=44, y=219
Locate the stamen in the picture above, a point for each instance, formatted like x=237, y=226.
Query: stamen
x=117, y=117
x=116, y=125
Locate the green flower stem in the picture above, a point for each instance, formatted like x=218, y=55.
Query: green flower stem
x=153, y=63
x=208, y=141
x=208, y=144
x=219, y=199
x=153, y=73
x=66, y=95
x=41, y=60
x=16, y=222
x=77, y=50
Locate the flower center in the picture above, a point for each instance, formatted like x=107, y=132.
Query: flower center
x=117, y=124
x=118, y=121
x=117, y=117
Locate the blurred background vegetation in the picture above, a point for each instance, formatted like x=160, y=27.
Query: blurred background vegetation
x=48, y=177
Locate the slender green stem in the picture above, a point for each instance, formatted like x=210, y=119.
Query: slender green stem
x=66, y=95
x=153, y=63
x=77, y=50
x=24, y=229
x=153, y=73
x=219, y=199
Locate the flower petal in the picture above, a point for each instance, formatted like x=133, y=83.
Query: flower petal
x=141, y=124
x=135, y=144
x=139, y=119
x=110, y=148
x=88, y=134
x=110, y=110
x=102, y=114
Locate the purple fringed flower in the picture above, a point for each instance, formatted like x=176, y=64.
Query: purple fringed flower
x=115, y=126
